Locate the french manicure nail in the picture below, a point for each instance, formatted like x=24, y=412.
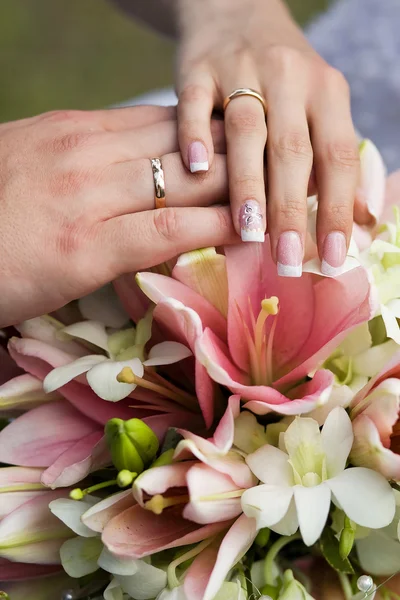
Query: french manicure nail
x=334, y=253
x=251, y=222
x=198, y=157
x=289, y=254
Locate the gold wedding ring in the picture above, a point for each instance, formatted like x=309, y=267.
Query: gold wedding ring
x=244, y=92
x=159, y=182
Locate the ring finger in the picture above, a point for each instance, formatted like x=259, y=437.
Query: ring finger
x=246, y=135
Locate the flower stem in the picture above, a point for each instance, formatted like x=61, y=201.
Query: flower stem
x=273, y=553
x=171, y=575
x=346, y=587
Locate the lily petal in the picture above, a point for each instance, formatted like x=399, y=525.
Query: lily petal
x=368, y=450
x=146, y=583
x=61, y=375
x=97, y=517
x=79, y=556
x=270, y=465
x=24, y=392
x=137, y=532
x=89, y=331
x=158, y=480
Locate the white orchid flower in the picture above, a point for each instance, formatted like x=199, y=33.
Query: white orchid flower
x=85, y=554
x=297, y=486
x=125, y=348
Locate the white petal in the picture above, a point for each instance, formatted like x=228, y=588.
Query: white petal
x=372, y=361
x=304, y=445
x=113, y=591
x=341, y=395
x=314, y=266
x=62, y=375
x=312, y=504
x=104, y=305
x=378, y=553
x=70, y=512
x=117, y=565
x=365, y=496
x=90, y=331
x=337, y=440
x=357, y=341
x=391, y=324
x=103, y=379
x=270, y=465
x=249, y=434
x=394, y=307
x=167, y=353
x=290, y=523
x=79, y=556
x=268, y=504
x=147, y=582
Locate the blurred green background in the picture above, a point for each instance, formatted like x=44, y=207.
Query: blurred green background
x=83, y=54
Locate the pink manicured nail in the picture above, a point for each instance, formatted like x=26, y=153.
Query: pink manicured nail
x=289, y=254
x=251, y=222
x=198, y=157
x=334, y=255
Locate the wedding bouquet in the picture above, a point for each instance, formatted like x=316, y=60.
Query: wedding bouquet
x=211, y=431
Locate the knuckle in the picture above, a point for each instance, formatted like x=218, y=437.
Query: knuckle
x=245, y=122
x=335, y=80
x=167, y=224
x=194, y=93
x=64, y=115
x=284, y=59
x=292, y=210
x=70, y=141
x=248, y=186
x=68, y=183
x=343, y=156
x=292, y=146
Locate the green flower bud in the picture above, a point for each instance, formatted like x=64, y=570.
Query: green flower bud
x=271, y=591
x=263, y=536
x=133, y=445
x=346, y=538
x=4, y=596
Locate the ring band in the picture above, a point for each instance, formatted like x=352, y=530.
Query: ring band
x=244, y=92
x=159, y=182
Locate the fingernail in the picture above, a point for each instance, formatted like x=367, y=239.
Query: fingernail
x=198, y=157
x=334, y=253
x=251, y=222
x=289, y=254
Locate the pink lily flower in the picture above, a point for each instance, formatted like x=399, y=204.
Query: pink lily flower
x=8, y=368
x=192, y=502
x=13, y=571
x=375, y=414
x=31, y=534
x=268, y=344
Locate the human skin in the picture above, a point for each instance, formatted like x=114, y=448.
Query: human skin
x=77, y=204
x=308, y=134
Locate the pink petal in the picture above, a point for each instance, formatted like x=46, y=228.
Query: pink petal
x=158, y=287
x=200, y=572
x=24, y=392
x=252, y=276
x=46, y=329
x=362, y=236
x=97, y=517
x=368, y=450
x=12, y=571
x=203, y=481
x=17, y=486
x=383, y=408
x=184, y=325
x=33, y=521
x=392, y=369
x=36, y=357
x=161, y=423
x=40, y=588
x=10, y=501
x=87, y=455
x=223, y=436
x=339, y=305
x=38, y=437
x=234, y=545
x=137, y=532
x=159, y=479
x=12, y=476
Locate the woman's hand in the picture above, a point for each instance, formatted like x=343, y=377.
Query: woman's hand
x=77, y=200
x=308, y=132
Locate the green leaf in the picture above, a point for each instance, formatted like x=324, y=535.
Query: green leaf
x=330, y=550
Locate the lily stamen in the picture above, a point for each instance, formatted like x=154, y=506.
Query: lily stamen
x=159, y=502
